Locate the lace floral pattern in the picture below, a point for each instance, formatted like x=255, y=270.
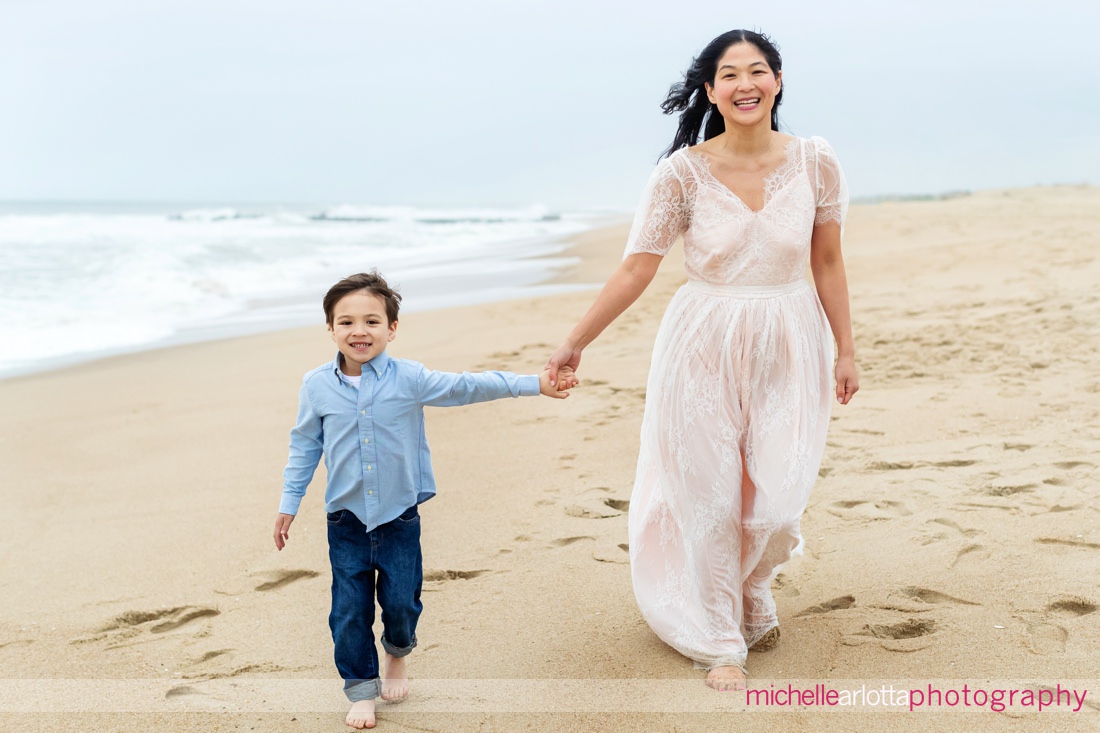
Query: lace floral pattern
x=724, y=240
x=737, y=402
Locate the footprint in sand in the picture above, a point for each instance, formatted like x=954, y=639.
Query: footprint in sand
x=279, y=578
x=889, y=466
x=782, y=586
x=562, y=542
x=904, y=636
x=1071, y=606
x=954, y=525
x=1046, y=638
x=212, y=655
x=601, y=510
x=576, y=510
x=181, y=690
x=1002, y=488
x=1069, y=465
x=433, y=576
x=836, y=604
x=128, y=625
x=968, y=554
x=189, y=698
x=636, y=392
x=1068, y=543
x=1000, y=507
x=868, y=511
x=248, y=669
x=1058, y=508
x=618, y=556
x=926, y=595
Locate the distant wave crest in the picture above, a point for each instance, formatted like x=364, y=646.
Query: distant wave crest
x=352, y=212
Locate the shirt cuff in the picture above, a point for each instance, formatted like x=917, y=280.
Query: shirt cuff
x=529, y=385
x=290, y=503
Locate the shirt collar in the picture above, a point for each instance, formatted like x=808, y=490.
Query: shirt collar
x=378, y=363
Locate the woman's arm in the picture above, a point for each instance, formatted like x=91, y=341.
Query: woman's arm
x=827, y=265
x=621, y=289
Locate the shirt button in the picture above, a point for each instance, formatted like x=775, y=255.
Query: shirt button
x=369, y=468
x=366, y=440
x=371, y=492
x=364, y=412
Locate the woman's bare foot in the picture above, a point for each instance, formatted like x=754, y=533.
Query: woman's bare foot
x=361, y=714
x=395, y=680
x=726, y=679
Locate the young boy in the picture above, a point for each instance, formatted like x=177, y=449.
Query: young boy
x=364, y=412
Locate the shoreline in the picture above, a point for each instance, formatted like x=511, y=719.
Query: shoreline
x=560, y=271
x=950, y=536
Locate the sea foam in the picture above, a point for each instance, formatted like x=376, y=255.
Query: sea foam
x=75, y=284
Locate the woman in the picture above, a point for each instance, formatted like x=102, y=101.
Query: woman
x=737, y=403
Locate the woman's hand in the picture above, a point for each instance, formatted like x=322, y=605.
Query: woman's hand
x=566, y=382
x=567, y=355
x=847, y=379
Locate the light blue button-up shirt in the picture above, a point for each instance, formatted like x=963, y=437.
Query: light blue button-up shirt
x=373, y=439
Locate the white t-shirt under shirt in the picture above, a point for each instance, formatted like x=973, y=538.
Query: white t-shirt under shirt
x=353, y=381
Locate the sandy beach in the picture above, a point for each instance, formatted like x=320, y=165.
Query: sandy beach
x=953, y=536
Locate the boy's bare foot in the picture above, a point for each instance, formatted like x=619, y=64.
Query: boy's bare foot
x=361, y=714
x=726, y=679
x=395, y=680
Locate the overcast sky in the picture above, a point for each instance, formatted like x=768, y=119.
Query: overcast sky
x=475, y=102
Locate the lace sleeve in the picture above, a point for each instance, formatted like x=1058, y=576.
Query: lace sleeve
x=832, y=189
x=663, y=213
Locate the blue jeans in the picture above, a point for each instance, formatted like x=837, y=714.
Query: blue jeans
x=392, y=551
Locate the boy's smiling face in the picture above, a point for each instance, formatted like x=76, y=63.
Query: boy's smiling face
x=360, y=329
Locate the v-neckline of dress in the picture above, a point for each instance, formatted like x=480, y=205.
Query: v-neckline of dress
x=766, y=180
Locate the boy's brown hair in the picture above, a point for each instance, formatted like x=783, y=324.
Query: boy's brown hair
x=373, y=283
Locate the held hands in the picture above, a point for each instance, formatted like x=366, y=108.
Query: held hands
x=282, y=530
x=559, y=391
x=566, y=357
x=847, y=379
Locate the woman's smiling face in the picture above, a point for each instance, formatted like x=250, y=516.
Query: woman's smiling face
x=744, y=87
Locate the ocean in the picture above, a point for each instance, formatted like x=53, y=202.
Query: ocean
x=79, y=281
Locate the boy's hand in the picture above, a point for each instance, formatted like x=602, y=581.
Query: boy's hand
x=567, y=378
x=282, y=529
x=558, y=391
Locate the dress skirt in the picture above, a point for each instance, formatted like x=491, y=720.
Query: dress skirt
x=737, y=407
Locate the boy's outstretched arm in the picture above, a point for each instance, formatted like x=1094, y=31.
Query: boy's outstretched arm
x=282, y=530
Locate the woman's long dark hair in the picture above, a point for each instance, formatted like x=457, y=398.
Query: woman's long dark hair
x=689, y=97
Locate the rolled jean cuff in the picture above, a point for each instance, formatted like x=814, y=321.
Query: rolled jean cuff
x=357, y=690
x=397, y=651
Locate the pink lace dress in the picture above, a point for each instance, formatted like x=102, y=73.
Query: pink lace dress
x=737, y=402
